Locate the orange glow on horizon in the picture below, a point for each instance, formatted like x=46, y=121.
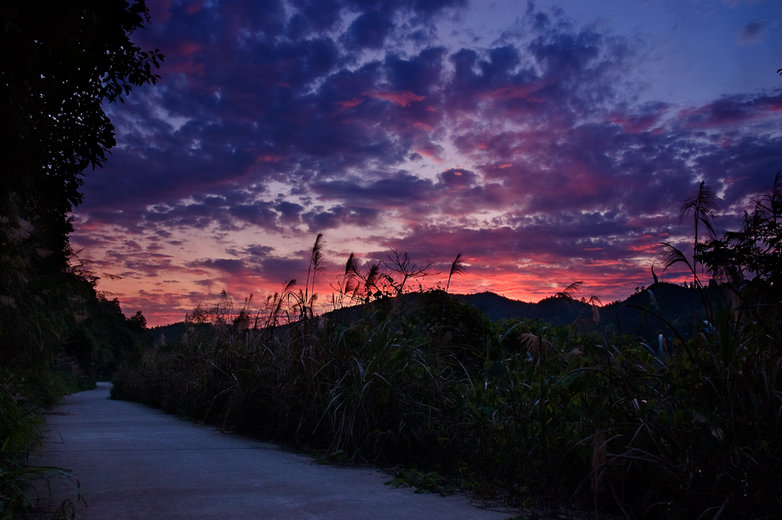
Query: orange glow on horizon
x=165, y=302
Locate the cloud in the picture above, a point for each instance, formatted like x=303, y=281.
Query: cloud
x=314, y=15
x=733, y=111
x=228, y=266
x=751, y=32
x=397, y=190
x=368, y=30
x=420, y=75
x=528, y=152
x=321, y=219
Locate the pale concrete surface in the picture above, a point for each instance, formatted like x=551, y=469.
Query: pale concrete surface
x=134, y=462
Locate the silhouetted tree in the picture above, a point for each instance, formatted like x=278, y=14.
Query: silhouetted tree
x=755, y=250
x=138, y=322
x=403, y=270
x=61, y=61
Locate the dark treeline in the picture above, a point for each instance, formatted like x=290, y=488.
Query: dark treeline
x=61, y=62
x=534, y=413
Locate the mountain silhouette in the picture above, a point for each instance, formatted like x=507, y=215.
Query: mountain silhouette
x=638, y=315
x=647, y=313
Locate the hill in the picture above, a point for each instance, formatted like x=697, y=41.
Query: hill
x=637, y=315
x=640, y=314
x=168, y=334
x=556, y=310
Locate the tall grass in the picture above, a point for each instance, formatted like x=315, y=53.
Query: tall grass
x=533, y=411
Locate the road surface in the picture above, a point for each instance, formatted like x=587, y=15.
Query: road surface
x=135, y=462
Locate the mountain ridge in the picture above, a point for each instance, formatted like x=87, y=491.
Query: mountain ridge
x=638, y=314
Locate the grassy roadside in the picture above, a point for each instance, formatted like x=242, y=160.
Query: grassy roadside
x=689, y=427
x=23, y=401
x=518, y=409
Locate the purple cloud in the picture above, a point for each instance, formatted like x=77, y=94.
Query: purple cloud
x=751, y=32
x=392, y=124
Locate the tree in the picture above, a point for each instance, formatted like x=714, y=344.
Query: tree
x=400, y=264
x=755, y=250
x=61, y=61
x=138, y=322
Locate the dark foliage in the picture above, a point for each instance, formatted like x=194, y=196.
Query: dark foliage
x=638, y=315
x=753, y=252
x=61, y=62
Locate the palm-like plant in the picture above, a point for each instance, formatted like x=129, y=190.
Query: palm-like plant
x=703, y=204
x=457, y=267
x=348, y=285
x=570, y=291
x=308, y=296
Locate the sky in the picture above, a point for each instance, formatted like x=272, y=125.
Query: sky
x=547, y=142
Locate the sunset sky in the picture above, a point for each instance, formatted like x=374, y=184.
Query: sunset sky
x=548, y=142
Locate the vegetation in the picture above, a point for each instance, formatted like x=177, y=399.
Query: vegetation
x=61, y=62
x=530, y=412
x=422, y=380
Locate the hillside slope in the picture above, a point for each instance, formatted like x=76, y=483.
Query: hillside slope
x=639, y=314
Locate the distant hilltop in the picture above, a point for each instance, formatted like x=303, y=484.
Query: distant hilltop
x=638, y=315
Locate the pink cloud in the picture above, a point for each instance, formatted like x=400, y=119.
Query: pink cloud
x=536, y=195
x=350, y=103
x=426, y=127
x=403, y=99
x=182, y=60
x=637, y=125
x=160, y=10
x=429, y=150
x=517, y=91
x=195, y=7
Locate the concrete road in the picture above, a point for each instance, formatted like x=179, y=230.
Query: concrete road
x=135, y=462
